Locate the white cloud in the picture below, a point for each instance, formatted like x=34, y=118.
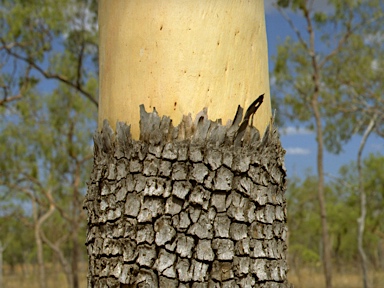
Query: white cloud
x=292, y=130
x=297, y=151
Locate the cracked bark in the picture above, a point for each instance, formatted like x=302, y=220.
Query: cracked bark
x=186, y=206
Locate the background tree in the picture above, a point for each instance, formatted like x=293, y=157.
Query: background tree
x=343, y=202
x=360, y=95
x=310, y=80
x=48, y=79
x=37, y=39
x=47, y=158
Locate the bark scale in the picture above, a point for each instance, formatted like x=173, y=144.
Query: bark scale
x=186, y=206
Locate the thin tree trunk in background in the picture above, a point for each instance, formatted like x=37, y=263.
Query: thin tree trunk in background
x=2, y=248
x=75, y=261
x=39, y=247
x=327, y=255
x=363, y=204
x=39, y=221
x=75, y=228
x=65, y=265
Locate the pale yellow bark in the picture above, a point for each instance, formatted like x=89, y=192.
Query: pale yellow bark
x=180, y=56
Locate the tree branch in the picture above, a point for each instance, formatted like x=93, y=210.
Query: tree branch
x=340, y=44
x=48, y=75
x=290, y=22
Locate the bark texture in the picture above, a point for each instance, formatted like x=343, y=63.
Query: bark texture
x=197, y=205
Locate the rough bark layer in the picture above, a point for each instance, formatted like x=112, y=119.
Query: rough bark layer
x=196, y=205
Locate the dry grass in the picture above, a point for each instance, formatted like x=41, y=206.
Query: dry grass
x=314, y=278
x=304, y=278
x=27, y=277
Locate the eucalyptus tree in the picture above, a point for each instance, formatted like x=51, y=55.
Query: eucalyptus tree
x=54, y=40
x=47, y=158
x=176, y=201
x=348, y=185
x=308, y=70
x=343, y=202
x=360, y=97
x=48, y=80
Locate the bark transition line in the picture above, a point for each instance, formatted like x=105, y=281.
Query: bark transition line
x=195, y=205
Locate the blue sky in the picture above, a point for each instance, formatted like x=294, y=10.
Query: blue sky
x=300, y=143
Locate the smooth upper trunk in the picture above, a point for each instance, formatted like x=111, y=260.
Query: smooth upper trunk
x=181, y=56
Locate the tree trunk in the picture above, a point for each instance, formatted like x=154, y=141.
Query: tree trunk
x=326, y=246
x=61, y=257
x=186, y=207
x=363, y=204
x=75, y=227
x=192, y=203
x=182, y=56
x=38, y=221
x=2, y=248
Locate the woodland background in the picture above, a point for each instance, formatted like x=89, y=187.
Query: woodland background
x=329, y=78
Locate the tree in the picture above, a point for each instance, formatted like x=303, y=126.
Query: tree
x=36, y=39
x=47, y=159
x=48, y=56
x=349, y=184
x=304, y=221
x=361, y=98
x=309, y=73
x=185, y=202
x=2, y=248
x=343, y=202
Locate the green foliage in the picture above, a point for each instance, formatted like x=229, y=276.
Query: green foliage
x=343, y=204
x=303, y=254
x=52, y=40
x=350, y=83
x=19, y=250
x=44, y=143
x=48, y=78
x=320, y=18
x=292, y=4
x=303, y=219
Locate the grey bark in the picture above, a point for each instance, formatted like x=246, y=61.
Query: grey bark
x=186, y=207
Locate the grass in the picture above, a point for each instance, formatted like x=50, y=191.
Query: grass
x=303, y=278
x=311, y=277
x=27, y=277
